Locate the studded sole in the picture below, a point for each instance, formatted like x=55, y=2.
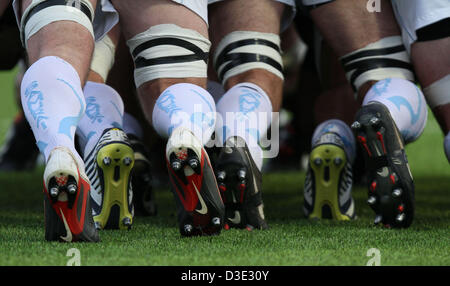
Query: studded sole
x=390, y=189
x=199, y=213
x=327, y=162
x=115, y=162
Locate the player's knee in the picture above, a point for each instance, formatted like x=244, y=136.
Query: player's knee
x=386, y=58
x=166, y=54
x=42, y=13
x=247, y=56
x=242, y=51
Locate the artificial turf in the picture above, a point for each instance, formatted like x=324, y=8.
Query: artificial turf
x=291, y=239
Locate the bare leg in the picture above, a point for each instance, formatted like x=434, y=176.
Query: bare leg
x=294, y=51
x=337, y=99
x=431, y=60
x=347, y=26
x=59, y=56
x=151, y=13
x=184, y=149
x=239, y=15
x=245, y=16
x=74, y=43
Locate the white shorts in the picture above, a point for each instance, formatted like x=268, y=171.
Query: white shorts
x=415, y=14
x=199, y=7
x=106, y=17
x=288, y=16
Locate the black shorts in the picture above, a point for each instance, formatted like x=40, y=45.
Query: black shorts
x=11, y=49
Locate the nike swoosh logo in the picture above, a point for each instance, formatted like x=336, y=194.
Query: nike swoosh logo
x=384, y=172
x=255, y=184
x=236, y=219
x=351, y=209
x=68, y=237
x=204, y=209
x=377, y=150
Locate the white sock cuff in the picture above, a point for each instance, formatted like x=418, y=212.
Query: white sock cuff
x=45, y=73
x=58, y=66
x=186, y=105
x=251, y=86
x=103, y=93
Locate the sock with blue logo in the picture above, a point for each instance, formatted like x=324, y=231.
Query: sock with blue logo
x=104, y=110
x=185, y=105
x=245, y=111
x=53, y=103
x=340, y=128
x=406, y=104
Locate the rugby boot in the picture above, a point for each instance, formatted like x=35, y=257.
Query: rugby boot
x=390, y=182
x=240, y=185
x=329, y=180
x=199, y=205
x=109, y=167
x=141, y=179
x=67, y=208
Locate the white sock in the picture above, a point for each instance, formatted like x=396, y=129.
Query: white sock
x=104, y=109
x=343, y=130
x=405, y=102
x=53, y=103
x=132, y=126
x=245, y=111
x=447, y=146
x=185, y=105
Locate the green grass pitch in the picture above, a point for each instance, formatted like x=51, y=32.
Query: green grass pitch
x=291, y=239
